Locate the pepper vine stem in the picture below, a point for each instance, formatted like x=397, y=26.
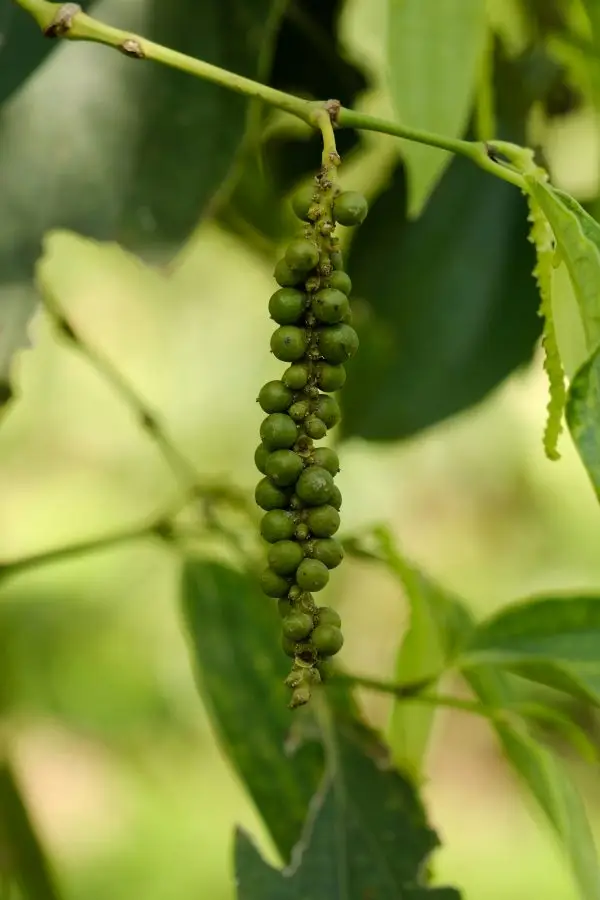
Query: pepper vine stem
x=66, y=20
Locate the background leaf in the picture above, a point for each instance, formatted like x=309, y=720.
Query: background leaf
x=583, y=416
x=435, y=48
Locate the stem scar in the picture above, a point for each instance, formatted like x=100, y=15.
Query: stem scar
x=63, y=20
x=133, y=48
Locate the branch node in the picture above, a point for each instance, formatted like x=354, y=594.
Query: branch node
x=333, y=107
x=63, y=20
x=132, y=47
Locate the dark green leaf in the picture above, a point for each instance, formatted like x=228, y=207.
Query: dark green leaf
x=22, y=860
x=366, y=838
x=583, y=416
x=450, y=307
x=554, y=641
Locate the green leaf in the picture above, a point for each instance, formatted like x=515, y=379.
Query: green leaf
x=550, y=640
x=583, y=416
x=446, y=307
x=366, y=837
x=434, y=52
x=547, y=780
x=22, y=860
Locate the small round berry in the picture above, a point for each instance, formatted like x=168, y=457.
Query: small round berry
x=350, y=208
x=283, y=467
x=268, y=496
x=315, y=486
x=273, y=584
x=327, y=640
x=286, y=306
x=336, y=497
x=315, y=428
x=329, y=551
x=277, y=525
x=288, y=343
x=328, y=410
x=337, y=260
x=303, y=200
x=278, y=431
x=337, y=343
x=302, y=255
x=295, y=593
x=312, y=575
x=302, y=532
x=260, y=458
x=340, y=282
x=284, y=607
x=326, y=458
x=330, y=306
x=288, y=646
x=275, y=397
x=328, y=616
x=297, y=626
x=285, y=556
x=323, y=521
x=326, y=670
x=299, y=410
x=330, y=378
x=285, y=277
x=296, y=376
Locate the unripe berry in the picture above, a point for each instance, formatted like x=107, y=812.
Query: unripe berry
x=299, y=410
x=286, y=306
x=330, y=306
x=329, y=551
x=277, y=525
x=288, y=646
x=327, y=640
x=283, y=467
x=315, y=486
x=337, y=343
x=284, y=607
x=274, y=397
x=285, y=276
x=302, y=532
x=350, y=208
x=278, y=431
x=326, y=670
x=303, y=201
x=268, y=496
x=285, y=557
x=337, y=260
x=273, y=584
x=315, y=428
x=326, y=458
x=328, y=410
x=312, y=575
x=340, y=281
x=328, y=616
x=302, y=255
x=297, y=626
x=323, y=521
x=288, y=343
x=330, y=378
x=296, y=376
x=336, y=497
x=260, y=458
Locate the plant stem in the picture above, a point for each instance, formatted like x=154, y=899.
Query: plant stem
x=66, y=20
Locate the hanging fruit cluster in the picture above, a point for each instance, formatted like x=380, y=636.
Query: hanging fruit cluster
x=298, y=492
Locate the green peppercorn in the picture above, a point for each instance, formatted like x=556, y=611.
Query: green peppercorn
x=273, y=584
x=312, y=575
x=337, y=260
x=329, y=551
x=336, y=497
x=337, y=343
x=302, y=532
x=260, y=458
x=326, y=458
x=277, y=525
x=350, y=208
x=323, y=521
x=285, y=557
x=285, y=276
x=297, y=626
x=315, y=486
x=327, y=640
x=275, y=397
x=303, y=200
x=296, y=376
x=288, y=343
x=315, y=427
x=288, y=646
x=268, y=496
x=286, y=306
x=330, y=378
x=283, y=467
x=328, y=410
x=326, y=670
x=278, y=431
x=328, y=616
x=284, y=607
x=340, y=281
x=330, y=306
x=299, y=410
x=302, y=255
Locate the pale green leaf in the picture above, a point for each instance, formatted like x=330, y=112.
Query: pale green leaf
x=435, y=49
x=583, y=416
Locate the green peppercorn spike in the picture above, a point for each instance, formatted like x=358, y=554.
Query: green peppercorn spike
x=274, y=397
x=315, y=486
x=323, y=521
x=274, y=585
x=328, y=616
x=330, y=306
x=330, y=378
x=296, y=376
x=328, y=410
x=326, y=458
x=302, y=255
x=338, y=343
x=350, y=208
x=284, y=467
x=297, y=626
x=340, y=281
x=278, y=431
x=315, y=427
x=327, y=640
x=312, y=575
x=277, y=525
x=268, y=496
x=303, y=201
x=285, y=277
x=285, y=556
x=287, y=305
x=289, y=343
x=328, y=551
